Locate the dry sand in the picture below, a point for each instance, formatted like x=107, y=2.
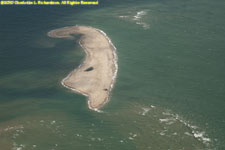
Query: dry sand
x=96, y=76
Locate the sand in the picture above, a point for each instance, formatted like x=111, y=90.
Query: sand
x=95, y=77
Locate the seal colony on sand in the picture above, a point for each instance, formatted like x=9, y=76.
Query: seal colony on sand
x=96, y=76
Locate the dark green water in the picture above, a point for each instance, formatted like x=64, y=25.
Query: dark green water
x=169, y=92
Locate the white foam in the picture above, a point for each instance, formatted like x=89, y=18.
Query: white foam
x=175, y=133
x=123, y=16
x=168, y=121
x=53, y=122
x=132, y=135
x=121, y=141
x=144, y=25
x=138, y=18
x=187, y=133
x=34, y=146
x=162, y=133
x=166, y=113
x=18, y=147
x=139, y=15
x=14, y=128
x=152, y=106
x=130, y=138
x=199, y=135
x=99, y=139
x=145, y=111
x=195, y=131
x=165, y=120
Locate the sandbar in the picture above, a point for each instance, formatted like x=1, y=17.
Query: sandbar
x=96, y=75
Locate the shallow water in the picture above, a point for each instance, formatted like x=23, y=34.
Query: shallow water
x=169, y=92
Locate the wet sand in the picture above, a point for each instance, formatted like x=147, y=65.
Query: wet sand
x=95, y=77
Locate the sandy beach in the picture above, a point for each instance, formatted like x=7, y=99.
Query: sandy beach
x=96, y=75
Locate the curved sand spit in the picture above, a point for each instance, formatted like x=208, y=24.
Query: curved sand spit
x=96, y=76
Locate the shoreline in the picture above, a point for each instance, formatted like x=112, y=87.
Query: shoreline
x=85, y=60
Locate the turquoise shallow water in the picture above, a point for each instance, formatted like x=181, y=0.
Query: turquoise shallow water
x=169, y=92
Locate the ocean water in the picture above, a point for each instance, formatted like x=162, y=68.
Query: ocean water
x=169, y=92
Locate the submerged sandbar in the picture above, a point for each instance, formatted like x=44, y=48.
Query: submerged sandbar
x=96, y=76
